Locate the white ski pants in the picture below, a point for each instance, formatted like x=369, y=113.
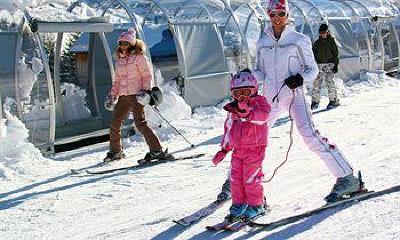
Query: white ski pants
x=300, y=112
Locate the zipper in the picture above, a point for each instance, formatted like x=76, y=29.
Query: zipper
x=126, y=72
x=275, y=68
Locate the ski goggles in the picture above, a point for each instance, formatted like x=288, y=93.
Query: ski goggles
x=124, y=43
x=279, y=14
x=243, y=92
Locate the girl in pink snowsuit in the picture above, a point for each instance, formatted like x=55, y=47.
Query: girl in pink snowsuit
x=246, y=133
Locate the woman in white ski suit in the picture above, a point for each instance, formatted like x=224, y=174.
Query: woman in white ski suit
x=276, y=61
x=288, y=60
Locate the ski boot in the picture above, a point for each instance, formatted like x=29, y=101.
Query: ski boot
x=225, y=193
x=160, y=155
x=113, y=156
x=314, y=105
x=345, y=186
x=254, y=212
x=333, y=104
x=236, y=211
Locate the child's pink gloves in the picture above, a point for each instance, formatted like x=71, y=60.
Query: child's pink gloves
x=244, y=110
x=238, y=109
x=219, y=156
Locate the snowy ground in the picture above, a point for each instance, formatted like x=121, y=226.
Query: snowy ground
x=39, y=199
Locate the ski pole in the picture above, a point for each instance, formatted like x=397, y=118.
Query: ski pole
x=290, y=143
x=176, y=130
x=276, y=96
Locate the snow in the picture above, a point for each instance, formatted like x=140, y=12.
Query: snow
x=19, y=158
x=39, y=199
x=74, y=102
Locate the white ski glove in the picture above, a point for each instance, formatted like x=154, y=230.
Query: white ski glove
x=110, y=102
x=143, y=97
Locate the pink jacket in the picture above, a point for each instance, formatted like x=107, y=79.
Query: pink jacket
x=133, y=73
x=249, y=133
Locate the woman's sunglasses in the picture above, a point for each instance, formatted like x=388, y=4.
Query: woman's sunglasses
x=279, y=14
x=124, y=43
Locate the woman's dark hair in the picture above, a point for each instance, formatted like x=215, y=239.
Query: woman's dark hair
x=138, y=49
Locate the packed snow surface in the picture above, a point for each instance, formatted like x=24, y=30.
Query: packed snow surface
x=40, y=199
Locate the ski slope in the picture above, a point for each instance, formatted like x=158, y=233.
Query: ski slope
x=40, y=199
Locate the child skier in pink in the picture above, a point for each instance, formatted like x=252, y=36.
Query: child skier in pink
x=246, y=133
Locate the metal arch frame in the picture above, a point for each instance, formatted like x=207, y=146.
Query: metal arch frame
x=75, y=4
x=132, y=16
x=379, y=34
x=125, y=7
x=371, y=59
x=304, y=16
x=55, y=96
x=155, y=5
x=341, y=9
x=201, y=6
x=17, y=54
x=255, y=13
x=243, y=40
x=361, y=5
x=248, y=17
x=364, y=28
x=321, y=15
x=260, y=20
x=50, y=87
x=57, y=60
x=398, y=45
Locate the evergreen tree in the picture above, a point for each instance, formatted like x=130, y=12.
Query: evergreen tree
x=68, y=62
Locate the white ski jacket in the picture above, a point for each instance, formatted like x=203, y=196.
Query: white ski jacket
x=278, y=59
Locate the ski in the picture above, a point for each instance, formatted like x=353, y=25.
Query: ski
x=223, y=225
x=237, y=226
x=203, y=212
x=354, y=199
x=137, y=166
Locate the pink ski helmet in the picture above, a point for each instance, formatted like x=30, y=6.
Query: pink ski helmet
x=243, y=80
x=129, y=36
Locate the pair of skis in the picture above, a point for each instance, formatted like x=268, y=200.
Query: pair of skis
x=240, y=223
x=353, y=199
x=141, y=164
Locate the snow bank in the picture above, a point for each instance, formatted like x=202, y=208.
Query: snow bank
x=74, y=102
x=17, y=154
x=367, y=82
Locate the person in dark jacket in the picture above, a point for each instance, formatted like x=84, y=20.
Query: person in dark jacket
x=327, y=56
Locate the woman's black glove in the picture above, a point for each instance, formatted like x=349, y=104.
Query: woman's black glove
x=294, y=81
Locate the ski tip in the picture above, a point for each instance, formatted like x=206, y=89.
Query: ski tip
x=75, y=171
x=331, y=198
x=212, y=228
x=180, y=223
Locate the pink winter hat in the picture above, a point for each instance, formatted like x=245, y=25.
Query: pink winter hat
x=129, y=36
x=277, y=5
